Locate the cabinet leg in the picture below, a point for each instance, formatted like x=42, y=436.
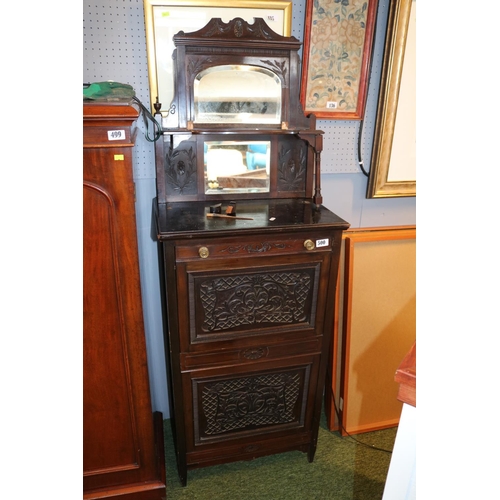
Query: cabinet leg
x=311, y=452
x=181, y=467
x=182, y=470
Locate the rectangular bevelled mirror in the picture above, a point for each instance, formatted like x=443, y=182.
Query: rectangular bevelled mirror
x=237, y=166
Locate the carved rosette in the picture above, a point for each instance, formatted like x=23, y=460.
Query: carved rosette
x=256, y=401
x=180, y=171
x=254, y=353
x=276, y=298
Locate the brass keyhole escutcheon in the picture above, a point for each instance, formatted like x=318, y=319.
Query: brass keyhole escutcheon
x=309, y=244
x=204, y=253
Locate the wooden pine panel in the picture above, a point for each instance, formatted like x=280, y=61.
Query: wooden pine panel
x=376, y=326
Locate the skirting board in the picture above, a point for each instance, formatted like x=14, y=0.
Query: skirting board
x=375, y=326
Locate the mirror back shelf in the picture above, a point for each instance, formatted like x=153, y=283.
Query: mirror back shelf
x=236, y=128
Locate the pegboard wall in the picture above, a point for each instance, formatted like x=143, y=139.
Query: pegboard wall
x=114, y=48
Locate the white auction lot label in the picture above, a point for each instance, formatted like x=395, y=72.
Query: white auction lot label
x=116, y=135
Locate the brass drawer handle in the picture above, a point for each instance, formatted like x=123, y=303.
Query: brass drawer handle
x=204, y=253
x=309, y=244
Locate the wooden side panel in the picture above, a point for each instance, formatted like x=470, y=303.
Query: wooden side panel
x=378, y=326
x=333, y=377
x=110, y=441
x=122, y=442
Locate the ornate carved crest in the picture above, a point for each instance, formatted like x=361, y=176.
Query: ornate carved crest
x=238, y=28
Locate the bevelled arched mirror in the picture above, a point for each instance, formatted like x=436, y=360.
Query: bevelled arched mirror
x=240, y=94
x=221, y=81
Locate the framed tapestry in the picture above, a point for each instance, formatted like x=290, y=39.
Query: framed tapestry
x=338, y=40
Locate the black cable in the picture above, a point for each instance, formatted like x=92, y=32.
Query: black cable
x=147, y=115
x=360, y=161
x=372, y=447
x=360, y=133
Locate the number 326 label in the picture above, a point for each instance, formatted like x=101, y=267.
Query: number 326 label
x=116, y=135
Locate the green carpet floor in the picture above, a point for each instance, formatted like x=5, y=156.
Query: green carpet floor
x=342, y=470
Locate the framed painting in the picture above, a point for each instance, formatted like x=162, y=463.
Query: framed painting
x=338, y=40
x=165, y=18
x=393, y=161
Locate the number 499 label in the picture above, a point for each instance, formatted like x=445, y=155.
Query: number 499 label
x=116, y=135
x=322, y=243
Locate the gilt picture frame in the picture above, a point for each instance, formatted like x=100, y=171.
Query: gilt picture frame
x=393, y=160
x=165, y=18
x=338, y=41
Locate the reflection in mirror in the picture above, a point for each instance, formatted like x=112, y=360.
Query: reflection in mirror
x=237, y=94
x=237, y=167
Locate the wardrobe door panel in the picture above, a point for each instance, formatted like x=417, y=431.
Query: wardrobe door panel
x=122, y=439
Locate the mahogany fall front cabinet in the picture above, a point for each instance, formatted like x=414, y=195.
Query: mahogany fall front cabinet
x=248, y=254
x=123, y=456
x=250, y=320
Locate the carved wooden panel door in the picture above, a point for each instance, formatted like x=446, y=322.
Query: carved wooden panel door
x=250, y=335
